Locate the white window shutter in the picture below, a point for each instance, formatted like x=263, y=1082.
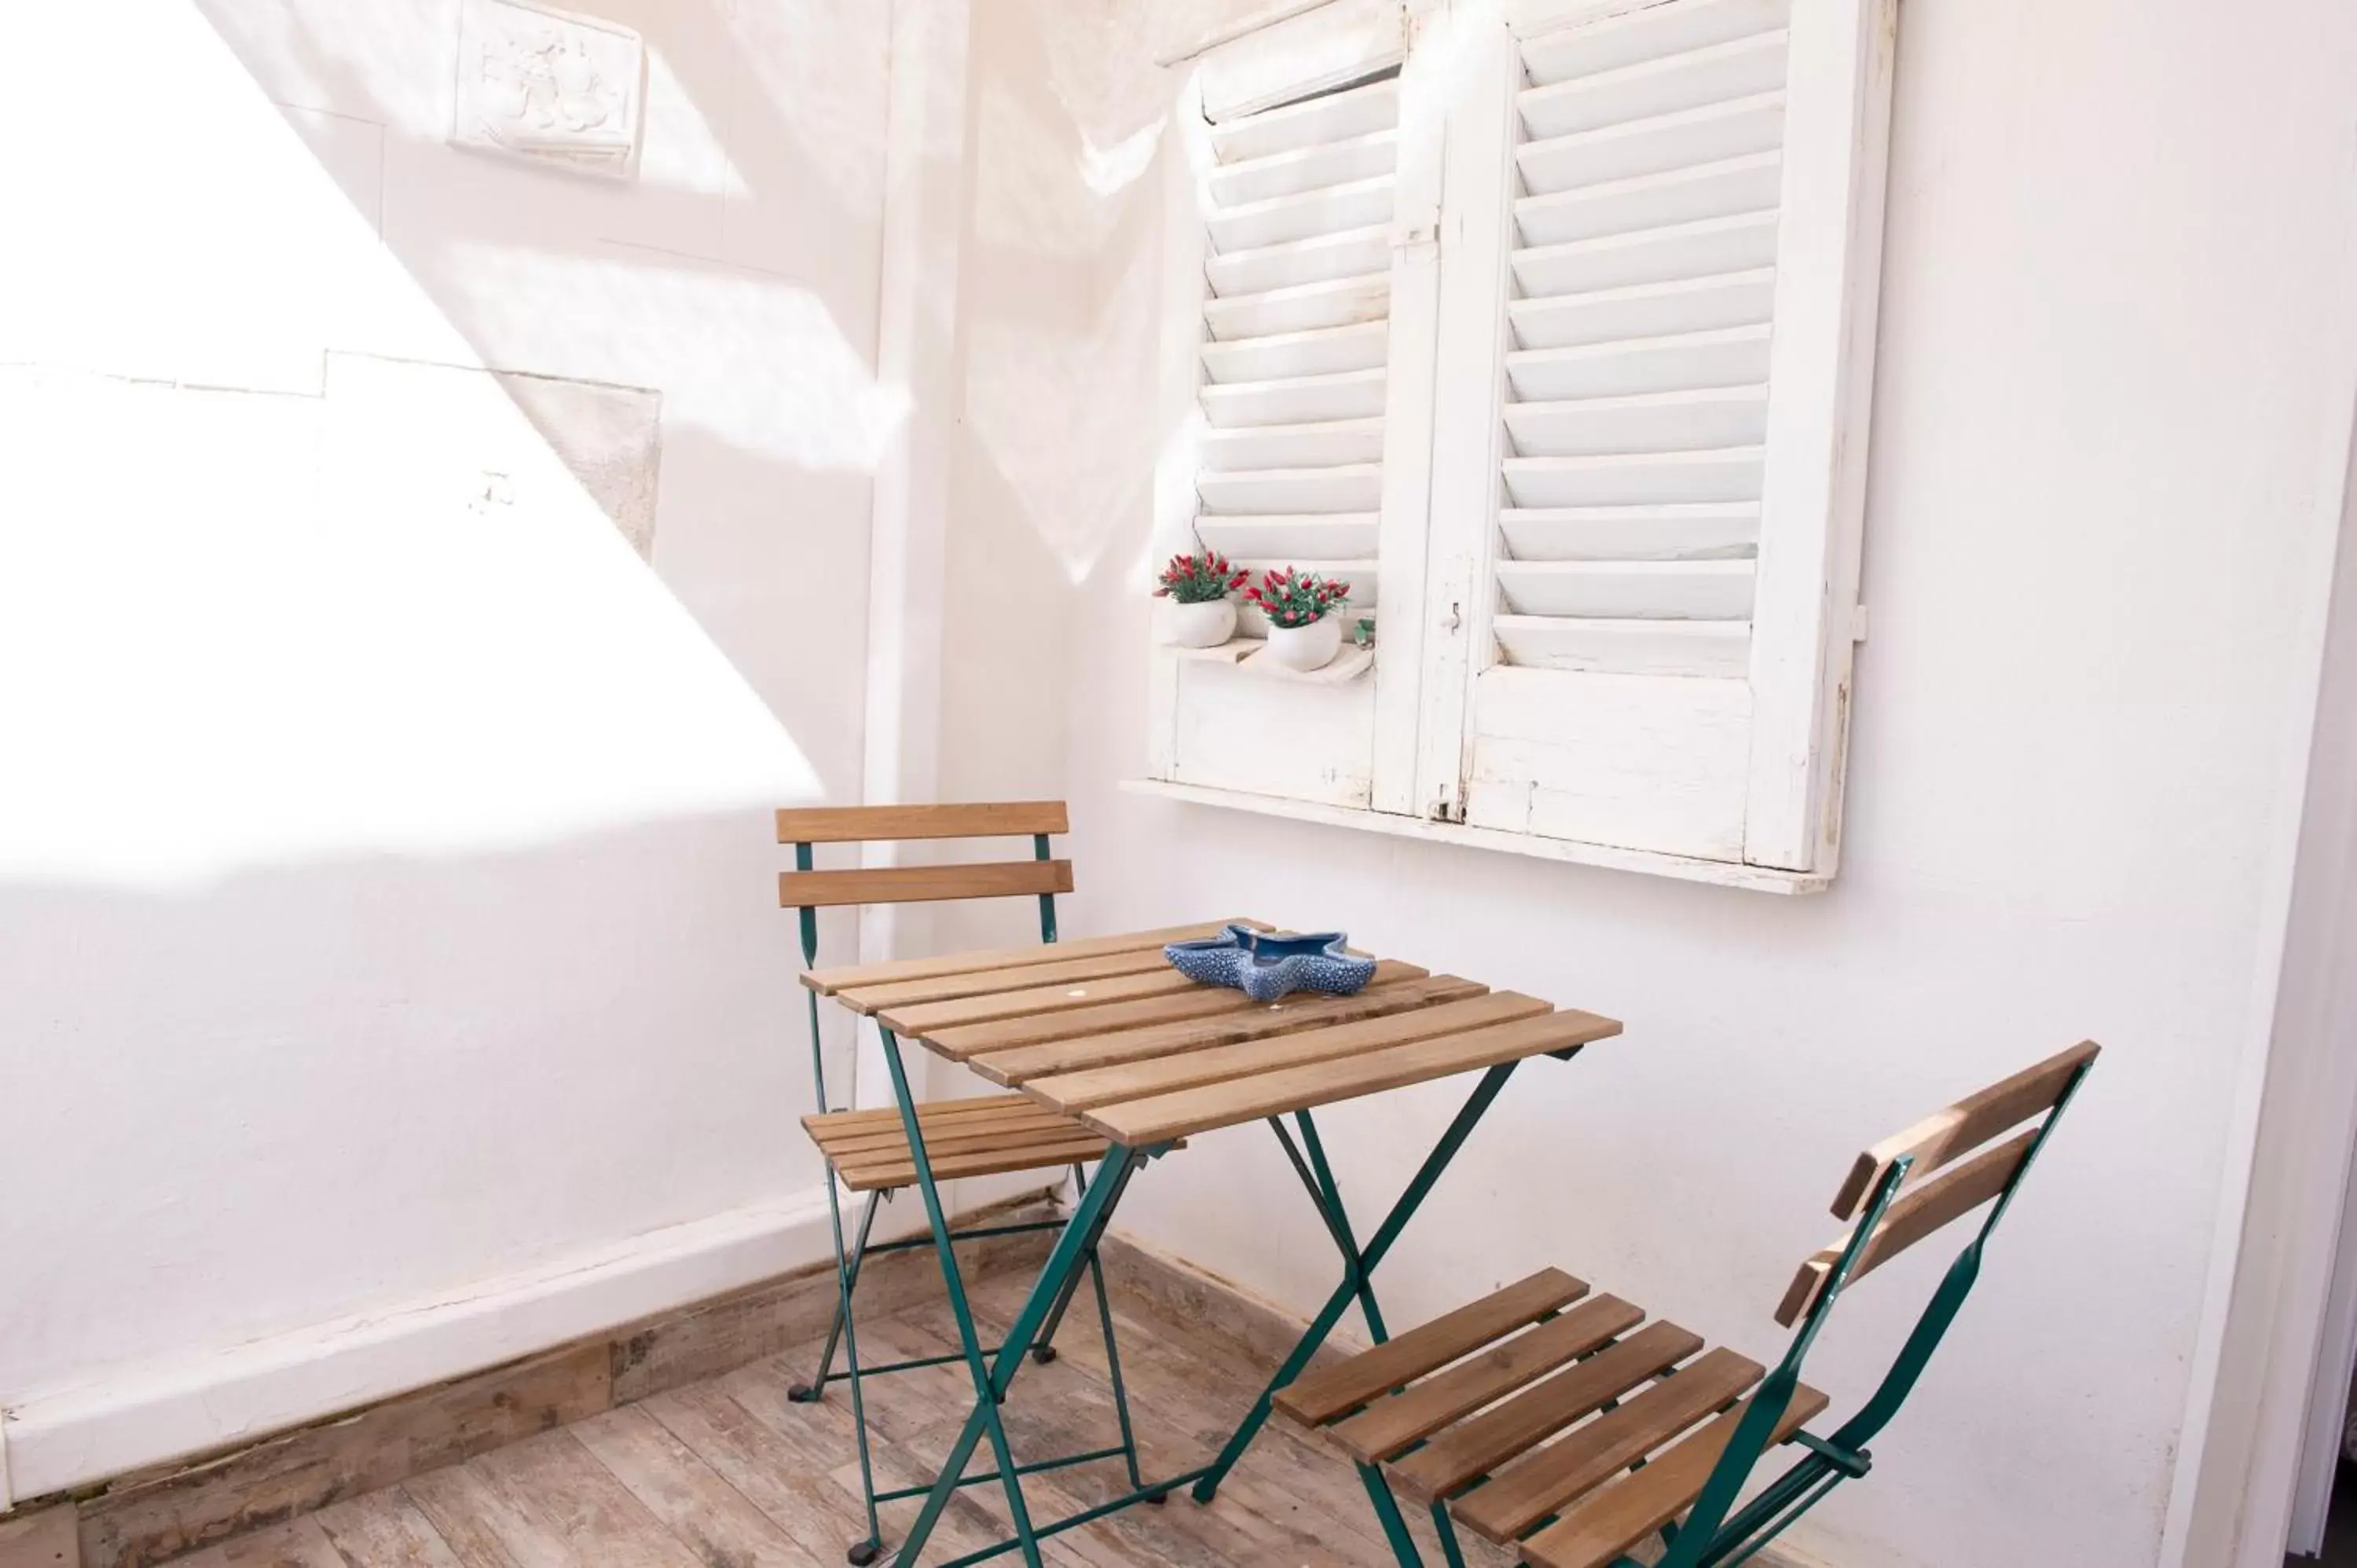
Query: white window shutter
x=1297, y=286
x=1662, y=229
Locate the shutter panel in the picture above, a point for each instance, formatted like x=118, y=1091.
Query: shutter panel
x=1302, y=221
x=1297, y=334
x=1673, y=269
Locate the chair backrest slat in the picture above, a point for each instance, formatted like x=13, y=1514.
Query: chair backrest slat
x=1918, y=1213
x=922, y=884
x=1964, y=1126
x=850, y=824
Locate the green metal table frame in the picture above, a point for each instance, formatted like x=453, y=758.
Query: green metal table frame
x=994, y=1370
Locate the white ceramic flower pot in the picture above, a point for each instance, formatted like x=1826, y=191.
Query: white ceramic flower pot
x=1307, y=648
x=1206, y=624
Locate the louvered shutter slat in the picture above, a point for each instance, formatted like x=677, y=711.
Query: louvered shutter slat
x=1280, y=356
x=1302, y=307
x=1710, y=417
x=1708, y=134
x=1315, y=445
x=1342, y=536
x=1683, y=531
x=1645, y=310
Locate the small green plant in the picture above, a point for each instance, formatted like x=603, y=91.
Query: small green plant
x=1291, y=599
x=1199, y=579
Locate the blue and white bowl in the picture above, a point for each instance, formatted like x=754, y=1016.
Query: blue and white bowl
x=1265, y=965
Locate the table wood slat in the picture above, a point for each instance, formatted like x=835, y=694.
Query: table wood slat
x=1015, y=977
x=915, y=1021
x=963, y=1041
x=827, y=981
x=1303, y=1010
x=1161, y=1117
x=1216, y=1064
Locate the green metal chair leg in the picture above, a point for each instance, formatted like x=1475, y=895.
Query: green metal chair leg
x=985, y=1386
x=1379, y=1492
x=1446, y=1528
x=862, y=1552
x=809, y=1392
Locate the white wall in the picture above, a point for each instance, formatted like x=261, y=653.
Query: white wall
x=385, y=916
x=2113, y=395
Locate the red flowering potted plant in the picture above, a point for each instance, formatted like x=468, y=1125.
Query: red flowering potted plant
x=1201, y=614
x=1305, y=626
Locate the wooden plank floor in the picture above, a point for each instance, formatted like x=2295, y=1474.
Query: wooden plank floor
x=728, y=1474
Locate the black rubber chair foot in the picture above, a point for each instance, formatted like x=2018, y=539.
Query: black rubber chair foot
x=802, y=1393
x=1157, y=1499
x=1043, y=1354
x=864, y=1553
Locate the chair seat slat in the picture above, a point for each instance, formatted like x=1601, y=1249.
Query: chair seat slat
x=1545, y=1482
x=1322, y=1395
x=1389, y=1425
x=1512, y=1429
x=1607, y=1523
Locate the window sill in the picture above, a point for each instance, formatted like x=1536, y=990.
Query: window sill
x=1761, y=880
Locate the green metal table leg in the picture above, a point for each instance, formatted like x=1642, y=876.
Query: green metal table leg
x=1418, y=1189
x=1045, y=1351
x=1113, y=1368
x=1333, y=1190
x=986, y=1409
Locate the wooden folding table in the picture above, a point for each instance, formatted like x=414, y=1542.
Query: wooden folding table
x=1105, y=1032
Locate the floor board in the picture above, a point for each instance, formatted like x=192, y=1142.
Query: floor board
x=730, y=1473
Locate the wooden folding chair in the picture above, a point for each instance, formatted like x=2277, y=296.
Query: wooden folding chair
x=1458, y=1413
x=870, y=1151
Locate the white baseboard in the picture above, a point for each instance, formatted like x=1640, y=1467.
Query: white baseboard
x=154, y=1413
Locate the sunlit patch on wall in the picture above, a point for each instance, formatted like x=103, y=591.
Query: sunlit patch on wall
x=752, y=359
x=250, y=628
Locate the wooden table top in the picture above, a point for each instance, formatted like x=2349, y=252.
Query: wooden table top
x=1106, y=1030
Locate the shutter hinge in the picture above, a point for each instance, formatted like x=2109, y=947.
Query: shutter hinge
x=1857, y=623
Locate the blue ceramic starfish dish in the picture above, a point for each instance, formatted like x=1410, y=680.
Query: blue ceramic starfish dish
x=1265, y=965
